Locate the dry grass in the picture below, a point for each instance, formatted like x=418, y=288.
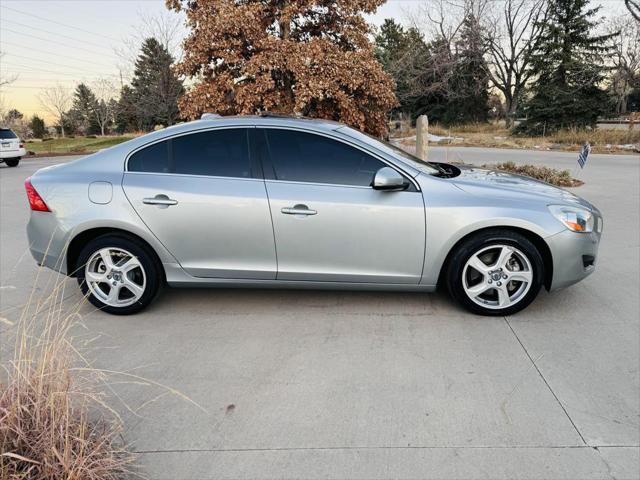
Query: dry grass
x=54, y=419
x=598, y=137
x=560, y=178
x=495, y=135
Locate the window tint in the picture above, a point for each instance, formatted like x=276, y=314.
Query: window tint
x=6, y=133
x=306, y=157
x=222, y=153
x=154, y=158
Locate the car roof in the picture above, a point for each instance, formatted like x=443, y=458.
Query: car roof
x=212, y=120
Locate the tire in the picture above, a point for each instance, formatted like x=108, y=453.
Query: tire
x=506, y=281
x=125, y=262
x=12, y=162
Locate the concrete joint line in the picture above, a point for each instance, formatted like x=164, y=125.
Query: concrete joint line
x=546, y=382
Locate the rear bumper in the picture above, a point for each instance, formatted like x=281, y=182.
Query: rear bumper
x=574, y=256
x=21, y=152
x=47, y=241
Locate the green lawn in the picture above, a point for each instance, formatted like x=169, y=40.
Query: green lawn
x=77, y=145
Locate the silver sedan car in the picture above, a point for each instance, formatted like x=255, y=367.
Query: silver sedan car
x=282, y=202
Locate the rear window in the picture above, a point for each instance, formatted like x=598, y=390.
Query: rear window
x=7, y=134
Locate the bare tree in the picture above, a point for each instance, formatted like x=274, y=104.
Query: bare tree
x=625, y=60
x=56, y=100
x=513, y=34
x=6, y=80
x=634, y=7
x=103, y=110
x=166, y=27
x=440, y=21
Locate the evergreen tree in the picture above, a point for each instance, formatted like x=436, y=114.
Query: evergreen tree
x=37, y=127
x=404, y=56
x=468, y=90
x=81, y=115
x=126, y=112
x=156, y=88
x=569, y=67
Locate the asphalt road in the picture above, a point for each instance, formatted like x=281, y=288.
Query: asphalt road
x=348, y=385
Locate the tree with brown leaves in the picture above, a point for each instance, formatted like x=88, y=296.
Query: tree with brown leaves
x=308, y=57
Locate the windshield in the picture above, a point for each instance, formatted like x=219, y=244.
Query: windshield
x=392, y=149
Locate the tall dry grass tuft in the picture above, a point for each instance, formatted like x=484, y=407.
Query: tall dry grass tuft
x=54, y=419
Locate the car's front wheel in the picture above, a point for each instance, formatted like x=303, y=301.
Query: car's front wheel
x=118, y=274
x=495, y=273
x=12, y=162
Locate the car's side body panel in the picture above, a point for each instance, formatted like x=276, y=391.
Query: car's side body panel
x=451, y=214
x=220, y=227
x=66, y=192
x=357, y=235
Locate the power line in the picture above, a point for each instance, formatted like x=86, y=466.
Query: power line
x=59, y=23
x=31, y=68
x=13, y=22
x=5, y=29
x=54, y=53
x=54, y=63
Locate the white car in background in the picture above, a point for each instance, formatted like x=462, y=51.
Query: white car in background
x=11, y=148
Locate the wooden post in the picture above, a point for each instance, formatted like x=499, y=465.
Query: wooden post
x=422, y=137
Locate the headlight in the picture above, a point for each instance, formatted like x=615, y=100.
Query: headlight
x=574, y=218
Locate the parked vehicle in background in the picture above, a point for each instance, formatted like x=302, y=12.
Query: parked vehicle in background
x=11, y=148
x=285, y=202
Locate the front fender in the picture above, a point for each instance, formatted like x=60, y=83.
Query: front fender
x=452, y=214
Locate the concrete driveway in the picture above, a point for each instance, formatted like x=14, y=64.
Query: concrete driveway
x=348, y=385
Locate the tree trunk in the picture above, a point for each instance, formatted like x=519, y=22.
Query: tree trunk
x=512, y=107
x=102, y=129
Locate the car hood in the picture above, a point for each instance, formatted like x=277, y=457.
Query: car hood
x=479, y=181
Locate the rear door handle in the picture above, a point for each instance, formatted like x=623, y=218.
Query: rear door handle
x=298, y=210
x=161, y=200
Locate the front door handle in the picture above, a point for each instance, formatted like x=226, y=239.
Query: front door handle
x=299, y=209
x=161, y=200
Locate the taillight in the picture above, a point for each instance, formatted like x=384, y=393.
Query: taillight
x=35, y=200
x=21, y=145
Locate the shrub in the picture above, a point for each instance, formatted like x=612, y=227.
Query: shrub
x=560, y=178
x=54, y=422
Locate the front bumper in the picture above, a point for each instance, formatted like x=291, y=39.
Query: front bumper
x=574, y=256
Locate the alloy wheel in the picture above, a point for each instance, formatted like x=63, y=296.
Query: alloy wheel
x=497, y=276
x=115, y=277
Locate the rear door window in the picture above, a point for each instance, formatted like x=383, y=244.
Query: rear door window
x=219, y=153
x=306, y=157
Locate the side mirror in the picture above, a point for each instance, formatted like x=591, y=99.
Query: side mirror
x=388, y=179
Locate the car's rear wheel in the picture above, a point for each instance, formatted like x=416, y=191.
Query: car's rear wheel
x=118, y=274
x=495, y=273
x=12, y=162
